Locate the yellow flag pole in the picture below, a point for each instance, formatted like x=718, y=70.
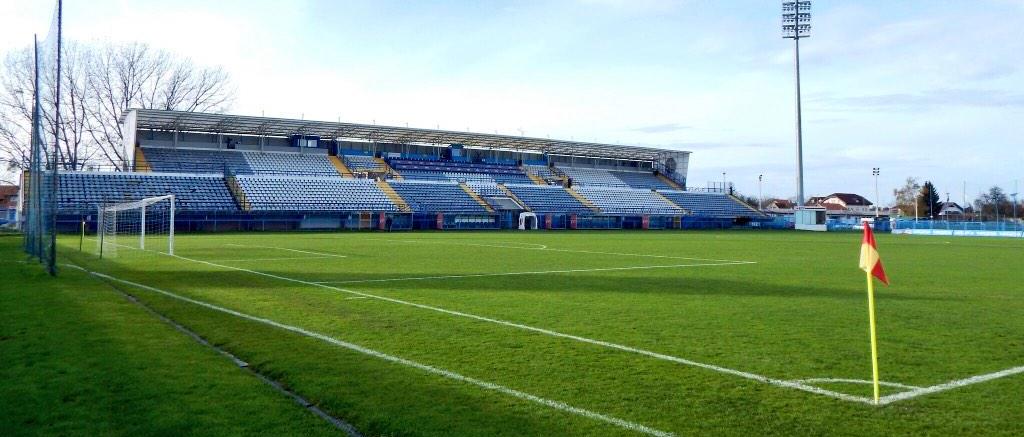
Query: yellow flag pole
x=874, y=341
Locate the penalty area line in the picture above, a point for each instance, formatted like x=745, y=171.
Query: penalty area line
x=557, y=405
x=295, y=258
x=309, y=252
x=544, y=272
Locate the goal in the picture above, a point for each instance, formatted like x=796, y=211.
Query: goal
x=140, y=225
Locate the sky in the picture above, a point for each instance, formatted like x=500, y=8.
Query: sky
x=932, y=89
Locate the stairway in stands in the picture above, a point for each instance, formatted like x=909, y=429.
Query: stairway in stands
x=670, y=202
x=388, y=168
x=670, y=182
x=395, y=198
x=513, y=196
x=533, y=177
x=475, y=196
x=586, y=202
x=140, y=161
x=237, y=193
x=340, y=166
x=741, y=202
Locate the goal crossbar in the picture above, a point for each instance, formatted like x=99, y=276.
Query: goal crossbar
x=104, y=222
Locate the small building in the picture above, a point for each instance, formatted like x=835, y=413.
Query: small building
x=846, y=205
x=779, y=205
x=8, y=204
x=951, y=210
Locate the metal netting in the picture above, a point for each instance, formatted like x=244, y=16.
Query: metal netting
x=41, y=179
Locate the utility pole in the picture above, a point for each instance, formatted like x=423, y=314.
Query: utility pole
x=964, y=205
x=796, y=24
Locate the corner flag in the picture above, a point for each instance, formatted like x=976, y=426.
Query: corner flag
x=869, y=260
x=871, y=264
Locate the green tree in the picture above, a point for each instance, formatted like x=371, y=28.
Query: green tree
x=929, y=201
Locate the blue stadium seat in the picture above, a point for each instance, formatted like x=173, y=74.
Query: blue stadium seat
x=81, y=192
x=296, y=193
x=432, y=197
x=717, y=205
x=362, y=163
x=614, y=178
x=436, y=170
x=627, y=200
x=165, y=160
x=548, y=199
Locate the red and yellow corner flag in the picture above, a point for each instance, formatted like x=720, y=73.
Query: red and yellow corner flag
x=871, y=263
x=869, y=260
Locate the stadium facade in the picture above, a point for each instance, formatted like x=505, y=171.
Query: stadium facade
x=230, y=172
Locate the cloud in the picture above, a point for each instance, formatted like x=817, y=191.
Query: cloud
x=661, y=128
x=930, y=99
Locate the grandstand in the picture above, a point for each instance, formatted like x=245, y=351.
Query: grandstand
x=235, y=170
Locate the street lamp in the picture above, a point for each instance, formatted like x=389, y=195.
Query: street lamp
x=875, y=171
x=1014, y=195
x=760, y=193
x=917, y=200
x=796, y=24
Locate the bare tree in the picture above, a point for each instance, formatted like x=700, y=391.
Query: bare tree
x=75, y=102
x=906, y=196
x=133, y=75
x=99, y=83
x=16, y=84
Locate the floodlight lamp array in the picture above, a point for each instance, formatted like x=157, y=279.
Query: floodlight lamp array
x=796, y=19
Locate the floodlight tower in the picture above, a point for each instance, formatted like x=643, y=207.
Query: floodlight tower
x=796, y=24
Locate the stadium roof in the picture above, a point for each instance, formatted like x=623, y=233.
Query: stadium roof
x=155, y=119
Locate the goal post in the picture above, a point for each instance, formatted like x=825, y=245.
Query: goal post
x=145, y=225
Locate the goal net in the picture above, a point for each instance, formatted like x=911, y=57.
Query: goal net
x=140, y=225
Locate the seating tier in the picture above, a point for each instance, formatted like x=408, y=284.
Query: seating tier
x=362, y=163
x=238, y=162
x=431, y=197
x=614, y=178
x=284, y=193
x=709, y=204
x=548, y=199
x=627, y=200
x=82, y=192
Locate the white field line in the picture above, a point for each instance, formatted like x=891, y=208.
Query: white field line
x=856, y=381
x=544, y=272
x=632, y=426
x=949, y=385
x=324, y=254
x=270, y=259
x=355, y=297
x=720, y=369
x=644, y=255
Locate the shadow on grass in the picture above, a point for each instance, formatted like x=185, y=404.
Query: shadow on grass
x=630, y=283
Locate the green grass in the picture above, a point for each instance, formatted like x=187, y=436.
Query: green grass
x=79, y=359
x=955, y=309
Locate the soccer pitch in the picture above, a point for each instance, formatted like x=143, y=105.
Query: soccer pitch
x=604, y=333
